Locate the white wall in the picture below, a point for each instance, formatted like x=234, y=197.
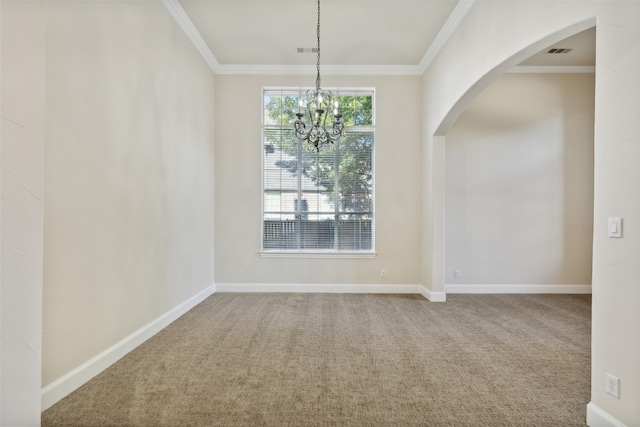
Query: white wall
x=519, y=183
x=238, y=189
x=493, y=37
x=21, y=146
x=129, y=175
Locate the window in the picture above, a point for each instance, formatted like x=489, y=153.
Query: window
x=320, y=202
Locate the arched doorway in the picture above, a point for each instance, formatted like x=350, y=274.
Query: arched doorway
x=439, y=138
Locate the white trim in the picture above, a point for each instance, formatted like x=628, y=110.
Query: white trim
x=449, y=27
x=516, y=289
x=66, y=384
x=318, y=255
x=180, y=16
x=340, y=90
x=318, y=288
x=557, y=69
x=433, y=296
x=331, y=288
x=596, y=417
x=327, y=70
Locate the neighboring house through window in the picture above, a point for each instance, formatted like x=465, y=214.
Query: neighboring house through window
x=318, y=201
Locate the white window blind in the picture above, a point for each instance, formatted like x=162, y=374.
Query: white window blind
x=318, y=201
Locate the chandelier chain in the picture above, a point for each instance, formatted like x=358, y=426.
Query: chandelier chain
x=318, y=63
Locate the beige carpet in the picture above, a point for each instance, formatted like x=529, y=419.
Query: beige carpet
x=351, y=360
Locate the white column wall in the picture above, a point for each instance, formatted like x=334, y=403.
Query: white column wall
x=21, y=210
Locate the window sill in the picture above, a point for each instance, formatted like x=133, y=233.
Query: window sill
x=319, y=254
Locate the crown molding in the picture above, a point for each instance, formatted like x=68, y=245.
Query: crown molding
x=453, y=21
x=180, y=16
x=553, y=69
x=327, y=70
x=182, y=19
x=449, y=27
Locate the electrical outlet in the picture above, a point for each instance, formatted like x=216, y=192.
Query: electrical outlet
x=613, y=386
x=383, y=274
x=456, y=273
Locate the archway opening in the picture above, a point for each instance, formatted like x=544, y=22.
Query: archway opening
x=439, y=137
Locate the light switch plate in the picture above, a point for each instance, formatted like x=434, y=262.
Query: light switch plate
x=615, y=227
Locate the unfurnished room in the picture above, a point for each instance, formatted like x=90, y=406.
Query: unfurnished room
x=320, y=213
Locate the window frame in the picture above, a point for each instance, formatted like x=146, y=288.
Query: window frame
x=319, y=253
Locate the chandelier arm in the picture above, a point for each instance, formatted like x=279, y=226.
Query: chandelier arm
x=302, y=133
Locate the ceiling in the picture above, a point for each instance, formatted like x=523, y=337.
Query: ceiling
x=354, y=33
x=582, y=54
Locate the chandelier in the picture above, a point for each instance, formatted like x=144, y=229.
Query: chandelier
x=311, y=125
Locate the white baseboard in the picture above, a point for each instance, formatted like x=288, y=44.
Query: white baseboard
x=517, y=289
x=596, y=417
x=331, y=288
x=318, y=288
x=66, y=384
x=433, y=296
